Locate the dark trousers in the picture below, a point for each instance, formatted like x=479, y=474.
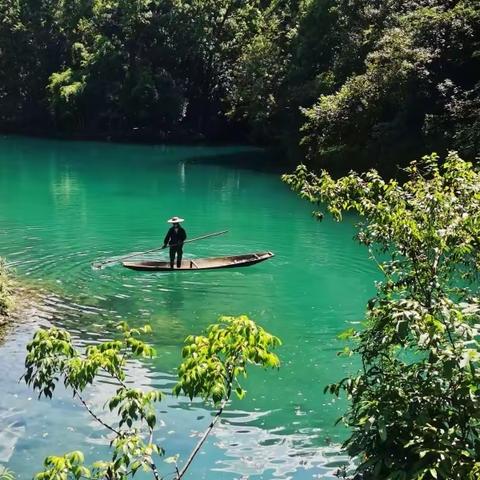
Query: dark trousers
x=178, y=250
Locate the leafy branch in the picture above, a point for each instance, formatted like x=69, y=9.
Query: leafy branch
x=213, y=362
x=211, y=365
x=6, y=474
x=415, y=407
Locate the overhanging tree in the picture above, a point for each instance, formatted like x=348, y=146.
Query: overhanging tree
x=415, y=404
x=211, y=369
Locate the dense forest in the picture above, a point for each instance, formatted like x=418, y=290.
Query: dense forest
x=328, y=80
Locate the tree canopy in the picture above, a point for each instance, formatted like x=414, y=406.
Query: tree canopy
x=329, y=79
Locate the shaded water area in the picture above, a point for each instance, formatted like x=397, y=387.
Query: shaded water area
x=66, y=204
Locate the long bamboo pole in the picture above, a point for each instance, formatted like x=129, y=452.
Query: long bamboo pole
x=118, y=259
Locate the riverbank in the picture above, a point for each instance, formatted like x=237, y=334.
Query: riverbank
x=6, y=293
x=140, y=135
x=225, y=154
x=22, y=298
x=266, y=156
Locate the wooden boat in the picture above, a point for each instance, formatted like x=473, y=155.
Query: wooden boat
x=232, y=261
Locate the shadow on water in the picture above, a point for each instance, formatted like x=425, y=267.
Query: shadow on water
x=260, y=160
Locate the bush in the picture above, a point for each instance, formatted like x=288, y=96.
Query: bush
x=415, y=405
x=6, y=293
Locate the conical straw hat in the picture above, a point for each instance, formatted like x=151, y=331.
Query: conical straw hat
x=175, y=220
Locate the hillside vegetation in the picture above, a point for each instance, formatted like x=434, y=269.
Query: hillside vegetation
x=347, y=81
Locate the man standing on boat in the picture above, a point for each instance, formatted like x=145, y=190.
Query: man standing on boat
x=175, y=237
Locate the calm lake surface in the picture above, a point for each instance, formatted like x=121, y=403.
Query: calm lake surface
x=66, y=204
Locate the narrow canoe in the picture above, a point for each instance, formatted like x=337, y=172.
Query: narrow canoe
x=232, y=261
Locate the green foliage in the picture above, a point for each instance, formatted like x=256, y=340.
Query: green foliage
x=120, y=67
x=257, y=93
x=213, y=362
x=6, y=292
x=337, y=120
x=459, y=119
x=61, y=468
x=6, y=474
x=210, y=368
x=65, y=90
x=134, y=404
x=52, y=356
x=415, y=406
x=338, y=76
x=414, y=48
x=365, y=78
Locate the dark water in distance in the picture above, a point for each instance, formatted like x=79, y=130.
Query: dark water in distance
x=65, y=204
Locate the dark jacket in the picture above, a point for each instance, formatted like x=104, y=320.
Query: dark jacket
x=174, y=238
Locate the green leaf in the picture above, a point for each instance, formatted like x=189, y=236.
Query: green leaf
x=240, y=392
x=382, y=430
x=347, y=334
x=172, y=459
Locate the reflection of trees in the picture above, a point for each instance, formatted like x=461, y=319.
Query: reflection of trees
x=66, y=189
x=69, y=200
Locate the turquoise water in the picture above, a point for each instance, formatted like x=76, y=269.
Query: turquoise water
x=66, y=204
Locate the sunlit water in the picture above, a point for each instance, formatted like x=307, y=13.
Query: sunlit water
x=66, y=204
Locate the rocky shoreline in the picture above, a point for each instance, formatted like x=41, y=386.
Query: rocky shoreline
x=24, y=297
